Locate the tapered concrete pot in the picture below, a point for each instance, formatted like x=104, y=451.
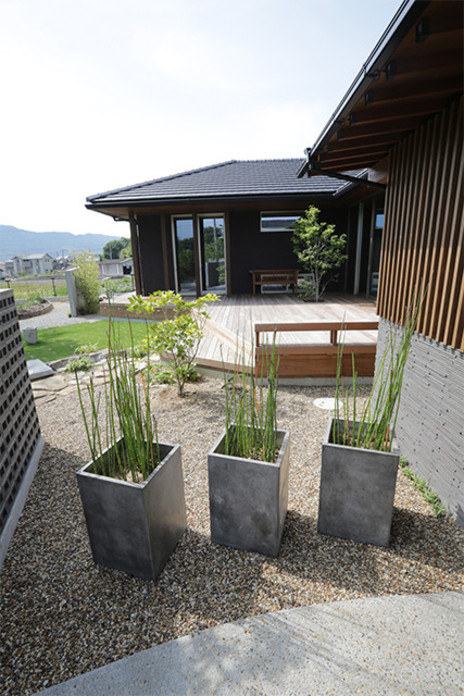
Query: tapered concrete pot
x=134, y=527
x=248, y=498
x=357, y=491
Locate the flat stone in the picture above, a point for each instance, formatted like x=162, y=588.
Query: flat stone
x=38, y=369
x=54, y=383
x=70, y=389
x=44, y=398
x=326, y=404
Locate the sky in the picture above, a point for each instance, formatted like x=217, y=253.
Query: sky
x=100, y=94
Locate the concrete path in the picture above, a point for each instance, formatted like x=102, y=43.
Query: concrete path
x=57, y=317
x=381, y=646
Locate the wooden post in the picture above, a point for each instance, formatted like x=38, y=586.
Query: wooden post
x=227, y=253
x=359, y=236
x=196, y=255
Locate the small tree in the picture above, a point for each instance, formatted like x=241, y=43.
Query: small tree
x=87, y=282
x=320, y=250
x=179, y=338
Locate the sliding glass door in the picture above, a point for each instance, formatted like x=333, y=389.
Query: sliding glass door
x=212, y=245
x=199, y=247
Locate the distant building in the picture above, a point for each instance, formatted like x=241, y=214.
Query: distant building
x=116, y=267
x=32, y=264
x=61, y=262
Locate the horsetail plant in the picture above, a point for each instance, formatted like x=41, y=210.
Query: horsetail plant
x=251, y=406
x=379, y=415
x=127, y=417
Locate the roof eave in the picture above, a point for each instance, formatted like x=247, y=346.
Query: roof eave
x=401, y=23
x=120, y=203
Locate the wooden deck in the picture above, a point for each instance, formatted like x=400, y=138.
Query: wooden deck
x=230, y=331
x=232, y=321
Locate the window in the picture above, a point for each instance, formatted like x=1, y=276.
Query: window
x=278, y=222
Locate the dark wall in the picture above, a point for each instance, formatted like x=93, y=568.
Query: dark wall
x=248, y=248
x=252, y=249
x=151, y=253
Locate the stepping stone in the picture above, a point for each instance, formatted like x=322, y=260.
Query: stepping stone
x=44, y=398
x=54, y=383
x=38, y=369
x=67, y=390
x=326, y=404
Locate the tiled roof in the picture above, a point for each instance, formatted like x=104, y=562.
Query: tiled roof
x=234, y=178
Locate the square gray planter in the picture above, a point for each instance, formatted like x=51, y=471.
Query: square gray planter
x=357, y=491
x=134, y=527
x=248, y=498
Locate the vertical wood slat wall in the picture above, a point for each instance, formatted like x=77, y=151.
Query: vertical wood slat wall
x=423, y=239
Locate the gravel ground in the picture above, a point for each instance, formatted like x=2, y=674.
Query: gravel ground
x=60, y=615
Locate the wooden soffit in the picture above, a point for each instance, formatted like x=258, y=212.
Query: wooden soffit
x=417, y=72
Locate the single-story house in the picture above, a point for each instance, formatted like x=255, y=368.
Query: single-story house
x=205, y=230
x=402, y=118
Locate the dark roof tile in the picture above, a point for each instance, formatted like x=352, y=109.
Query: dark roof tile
x=233, y=178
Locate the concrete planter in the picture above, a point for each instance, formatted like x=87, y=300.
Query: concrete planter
x=248, y=498
x=356, y=492
x=134, y=527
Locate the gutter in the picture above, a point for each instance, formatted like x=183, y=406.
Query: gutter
x=122, y=203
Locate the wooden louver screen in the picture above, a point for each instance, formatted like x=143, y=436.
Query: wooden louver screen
x=423, y=240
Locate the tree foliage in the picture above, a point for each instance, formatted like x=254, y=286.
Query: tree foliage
x=320, y=250
x=87, y=282
x=117, y=249
x=178, y=338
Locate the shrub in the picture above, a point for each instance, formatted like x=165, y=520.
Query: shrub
x=33, y=298
x=80, y=364
x=177, y=338
x=87, y=282
x=86, y=348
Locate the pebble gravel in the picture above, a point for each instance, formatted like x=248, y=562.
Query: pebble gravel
x=61, y=615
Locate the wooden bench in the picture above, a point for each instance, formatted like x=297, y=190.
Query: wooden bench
x=318, y=360
x=276, y=276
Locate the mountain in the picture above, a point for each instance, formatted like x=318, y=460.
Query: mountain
x=14, y=241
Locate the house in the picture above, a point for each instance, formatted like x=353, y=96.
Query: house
x=402, y=119
x=32, y=264
x=60, y=263
x=9, y=268
x=115, y=267
x=206, y=229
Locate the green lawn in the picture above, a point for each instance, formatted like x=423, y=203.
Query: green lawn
x=62, y=341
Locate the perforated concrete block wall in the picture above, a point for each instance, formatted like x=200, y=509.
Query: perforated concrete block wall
x=20, y=439
x=430, y=425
